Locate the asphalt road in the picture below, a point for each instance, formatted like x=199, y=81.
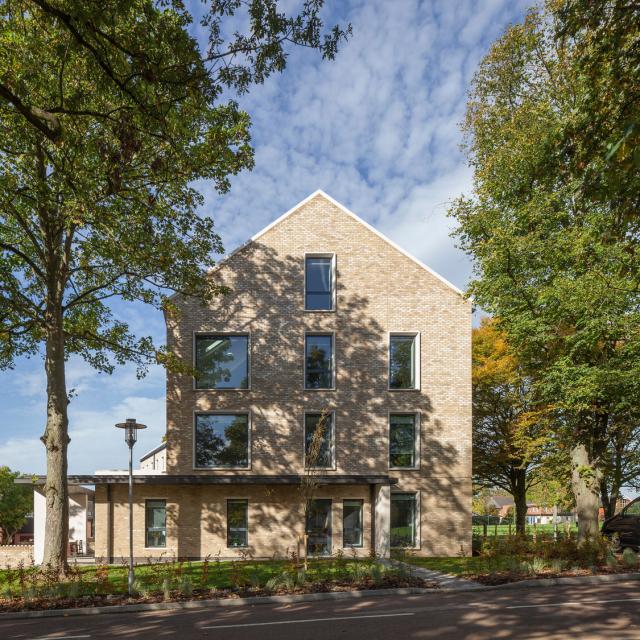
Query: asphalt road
x=587, y=612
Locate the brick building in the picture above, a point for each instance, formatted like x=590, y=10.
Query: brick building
x=336, y=356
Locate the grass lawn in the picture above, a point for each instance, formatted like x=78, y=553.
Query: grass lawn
x=503, y=529
x=460, y=566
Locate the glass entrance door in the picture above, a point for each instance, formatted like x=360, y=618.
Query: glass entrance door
x=319, y=527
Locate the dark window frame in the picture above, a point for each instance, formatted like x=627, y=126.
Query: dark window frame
x=332, y=361
x=415, y=354
x=195, y=439
x=197, y=385
x=331, y=257
x=332, y=440
x=415, y=496
x=416, y=440
x=148, y=529
x=360, y=502
x=245, y=529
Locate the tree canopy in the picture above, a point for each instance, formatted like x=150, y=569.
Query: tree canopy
x=552, y=222
x=509, y=429
x=109, y=112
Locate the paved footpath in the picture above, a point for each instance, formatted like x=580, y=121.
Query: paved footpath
x=443, y=580
x=608, y=611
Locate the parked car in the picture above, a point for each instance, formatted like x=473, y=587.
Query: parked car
x=626, y=525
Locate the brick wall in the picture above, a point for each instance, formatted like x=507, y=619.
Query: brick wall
x=14, y=553
x=379, y=290
x=196, y=519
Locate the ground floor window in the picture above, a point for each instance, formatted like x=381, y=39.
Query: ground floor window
x=237, y=523
x=352, y=523
x=319, y=527
x=156, y=523
x=403, y=519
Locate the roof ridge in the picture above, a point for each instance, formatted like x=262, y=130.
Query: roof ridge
x=320, y=192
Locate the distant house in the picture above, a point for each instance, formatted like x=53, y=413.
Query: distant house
x=81, y=521
x=536, y=514
x=156, y=459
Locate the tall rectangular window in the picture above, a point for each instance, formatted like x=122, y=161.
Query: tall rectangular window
x=155, y=523
x=222, y=440
x=318, y=361
x=318, y=283
x=222, y=362
x=403, y=519
x=402, y=440
x=403, y=369
x=237, y=523
x=318, y=440
x=352, y=523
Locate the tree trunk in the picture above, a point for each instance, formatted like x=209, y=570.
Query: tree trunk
x=520, y=500
x=56, y=439
x=585, y=481
x=609, y=499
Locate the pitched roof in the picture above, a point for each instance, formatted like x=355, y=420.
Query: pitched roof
x=320, y=192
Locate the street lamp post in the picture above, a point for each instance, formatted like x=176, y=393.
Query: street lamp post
x=130, y=427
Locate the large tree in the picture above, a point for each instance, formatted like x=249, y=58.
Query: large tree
x=552, y=222
x=509, y=431
x=109, y=112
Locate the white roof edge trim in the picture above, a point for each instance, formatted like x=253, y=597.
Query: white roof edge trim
x=379, y=234
x=320, y=192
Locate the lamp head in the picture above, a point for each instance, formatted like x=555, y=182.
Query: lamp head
x=130, y=427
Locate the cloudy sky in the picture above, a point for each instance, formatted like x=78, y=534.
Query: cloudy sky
x=377, y=129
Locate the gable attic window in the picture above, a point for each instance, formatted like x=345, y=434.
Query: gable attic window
x=319, y=282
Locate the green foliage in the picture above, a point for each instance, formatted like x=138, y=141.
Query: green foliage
x=509, y=434
x=552, y=222
x=109, y=115
x=629, y=558
x=16, y=502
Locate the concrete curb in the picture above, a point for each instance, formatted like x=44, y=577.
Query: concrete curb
x=215, y=603
x=567, y=581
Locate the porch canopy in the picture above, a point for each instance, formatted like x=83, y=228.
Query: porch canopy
x=294, y=479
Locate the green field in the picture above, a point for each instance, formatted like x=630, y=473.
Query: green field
x=505, y=529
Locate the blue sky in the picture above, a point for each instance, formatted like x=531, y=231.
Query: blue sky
x=377, y=129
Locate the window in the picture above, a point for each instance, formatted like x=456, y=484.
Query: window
x=155, y=523
x=318, y=440
x=318, y=361
x=318, y=283
x=352, y=523
x=403, y=519
x=403, y=368
x=402, y=440
x=222, y=362
x=237, y=523
x=222, y=440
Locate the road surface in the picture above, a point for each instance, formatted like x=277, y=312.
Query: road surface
x=585, y=612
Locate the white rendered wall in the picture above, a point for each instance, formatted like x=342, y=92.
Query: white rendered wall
x=78, y=518
x=39, y=523
x=383, y=521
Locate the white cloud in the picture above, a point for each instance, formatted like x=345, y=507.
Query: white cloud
x=377, y=129
x=95, y=442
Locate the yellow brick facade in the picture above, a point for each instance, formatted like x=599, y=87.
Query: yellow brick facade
x=380, y=291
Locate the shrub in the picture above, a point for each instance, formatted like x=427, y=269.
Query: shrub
x=186, y=588
x=630, y=558
x=612, y=561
